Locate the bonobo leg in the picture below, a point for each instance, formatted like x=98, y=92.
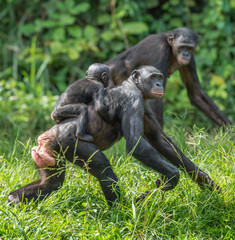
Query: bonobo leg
x=51, y=179
x=171, y=152
x=98, y=166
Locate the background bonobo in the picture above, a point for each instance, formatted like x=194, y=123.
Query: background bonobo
x=73, y=102
x=168, y=52
x=127, y=106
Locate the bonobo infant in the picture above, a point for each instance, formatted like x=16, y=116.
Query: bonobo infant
x=73, y=102
x=130, y=114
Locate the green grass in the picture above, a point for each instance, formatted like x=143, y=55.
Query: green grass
x=79, y=211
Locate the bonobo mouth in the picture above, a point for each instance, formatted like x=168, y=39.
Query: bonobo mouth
x=183, y=61
x=157, y=94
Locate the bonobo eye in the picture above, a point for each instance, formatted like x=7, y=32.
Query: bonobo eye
x=189, y=49
x=186, y=48
x=153, y=76
x=160, y=77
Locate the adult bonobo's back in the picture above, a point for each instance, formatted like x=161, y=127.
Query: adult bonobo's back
x=167, y=52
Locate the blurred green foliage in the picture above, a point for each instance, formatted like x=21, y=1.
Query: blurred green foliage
x=47, y=44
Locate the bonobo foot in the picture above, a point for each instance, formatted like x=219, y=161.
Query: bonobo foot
x=13, y=199
x=51, y=180
x=25, y=194
x=84, y=137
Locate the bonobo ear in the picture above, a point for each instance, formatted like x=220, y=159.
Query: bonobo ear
x=170, y=38
x=135, y=76
x=104, y=76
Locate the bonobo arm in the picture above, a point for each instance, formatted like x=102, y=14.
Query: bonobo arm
x=132, y=128
x=198, y=97
x=67, y=106
x=164, y=145
x=98, y=99
x=68, y=111
x=102, y=105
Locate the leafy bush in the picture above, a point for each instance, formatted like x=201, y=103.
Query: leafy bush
x=22, y=111
x=53, y=42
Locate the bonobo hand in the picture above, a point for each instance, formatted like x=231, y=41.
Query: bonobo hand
x=164, y=184
x=105, y=112
x=204, y=181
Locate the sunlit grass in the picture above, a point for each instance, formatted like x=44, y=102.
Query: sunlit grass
x=79, y=211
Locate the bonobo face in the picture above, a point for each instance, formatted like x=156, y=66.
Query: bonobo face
x=150, y=81
x=182, y=50
x=183, y=42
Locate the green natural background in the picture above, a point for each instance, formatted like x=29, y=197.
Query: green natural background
x=47, y=44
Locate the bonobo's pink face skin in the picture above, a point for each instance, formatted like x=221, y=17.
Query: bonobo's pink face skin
x=157, y=89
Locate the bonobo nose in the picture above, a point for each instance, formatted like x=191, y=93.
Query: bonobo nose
x=158, y=84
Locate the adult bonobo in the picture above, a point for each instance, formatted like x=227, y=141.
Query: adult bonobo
x=126, y=104
x=168, y=52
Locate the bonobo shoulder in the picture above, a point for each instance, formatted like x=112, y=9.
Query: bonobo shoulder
x=126, y=98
